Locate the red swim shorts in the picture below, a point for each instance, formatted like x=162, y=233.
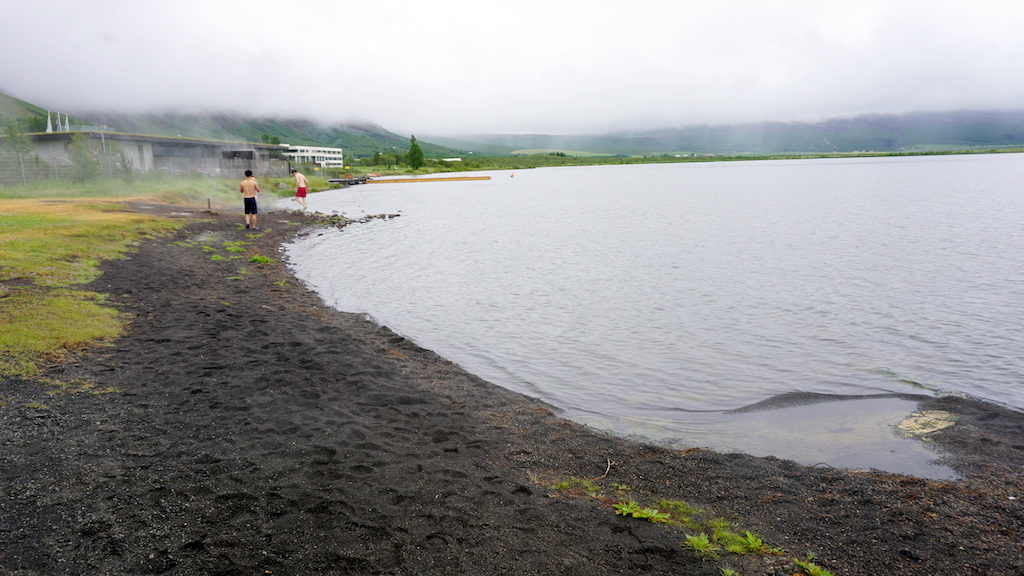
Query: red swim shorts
x=301, y=193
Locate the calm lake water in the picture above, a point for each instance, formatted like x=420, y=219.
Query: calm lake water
x=655, y=300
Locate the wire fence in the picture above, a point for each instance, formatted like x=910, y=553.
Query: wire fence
x=31, y=170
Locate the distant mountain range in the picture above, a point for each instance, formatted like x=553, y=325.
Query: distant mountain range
x=936, y=131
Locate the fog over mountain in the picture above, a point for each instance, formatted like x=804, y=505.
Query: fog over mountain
x=919, y=132
x=568, y=67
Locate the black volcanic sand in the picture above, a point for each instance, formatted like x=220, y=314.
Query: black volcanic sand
x=253, y=430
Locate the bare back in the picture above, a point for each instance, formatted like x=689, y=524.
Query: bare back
x=249, y=187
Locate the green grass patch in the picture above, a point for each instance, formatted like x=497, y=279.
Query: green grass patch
x=49, y=244
x=40, y=325
x=59, y=243
x=577, y=486
x=703, y=546
x=77, y=387
x=194, y=192
x=682, y=513
x=710, y=537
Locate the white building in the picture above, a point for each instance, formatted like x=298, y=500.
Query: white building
x=323, y=157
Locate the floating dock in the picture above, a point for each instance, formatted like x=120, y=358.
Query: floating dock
x=367, y=180
x=439, y=179
x=348, y=181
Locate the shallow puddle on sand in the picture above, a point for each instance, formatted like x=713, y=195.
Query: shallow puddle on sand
x=849, y=433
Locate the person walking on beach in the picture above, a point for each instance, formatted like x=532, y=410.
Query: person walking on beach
x=249, y=189
x=301, y=187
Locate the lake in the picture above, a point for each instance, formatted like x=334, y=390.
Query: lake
x=658, y=300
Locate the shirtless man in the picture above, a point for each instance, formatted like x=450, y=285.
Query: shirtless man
x=301, y=187
x=249, y=189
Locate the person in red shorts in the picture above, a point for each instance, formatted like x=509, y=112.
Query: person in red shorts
x=301, y=187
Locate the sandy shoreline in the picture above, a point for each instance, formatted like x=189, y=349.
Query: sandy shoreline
x=256, y=431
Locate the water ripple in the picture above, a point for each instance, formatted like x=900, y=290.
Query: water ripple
x=628, y=294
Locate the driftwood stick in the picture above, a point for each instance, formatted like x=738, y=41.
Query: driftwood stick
x=606, y=471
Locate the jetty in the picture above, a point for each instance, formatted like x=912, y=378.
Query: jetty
x=353, y=180
x=438, y=179
x=350, y=181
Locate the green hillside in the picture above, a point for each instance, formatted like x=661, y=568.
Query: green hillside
x=356, y=139
x=938, y=131
x=31, y=118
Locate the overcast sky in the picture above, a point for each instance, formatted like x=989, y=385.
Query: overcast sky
x=526, y=66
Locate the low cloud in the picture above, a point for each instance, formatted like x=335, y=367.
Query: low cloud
x=454, y=67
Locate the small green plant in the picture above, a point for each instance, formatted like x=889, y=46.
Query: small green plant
x=716, y=535
x=681, y=512
x=702, y=545
x=577, y=485
x=754, y=544
x=727, y=571
x=724, y=533
x=633, y=509
x=626, y=508
x=258, y=259
x=749, y=543
x=652, y=514
x=217, y=257
x=282, y=283
x=810, y=568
